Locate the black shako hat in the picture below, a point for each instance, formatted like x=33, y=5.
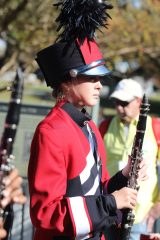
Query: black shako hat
x=76, y=52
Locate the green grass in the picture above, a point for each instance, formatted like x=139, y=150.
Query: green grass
x=155, y=97
x=32, y=94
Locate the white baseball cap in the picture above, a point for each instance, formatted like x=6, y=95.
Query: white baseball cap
x=3, y=47
x=127, y=90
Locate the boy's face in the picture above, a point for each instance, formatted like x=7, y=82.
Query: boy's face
x=84, y=91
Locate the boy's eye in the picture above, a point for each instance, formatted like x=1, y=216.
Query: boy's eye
x=92, y=79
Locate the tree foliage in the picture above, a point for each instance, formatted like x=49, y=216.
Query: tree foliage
x=133, y=33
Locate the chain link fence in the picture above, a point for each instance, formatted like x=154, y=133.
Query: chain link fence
x=22, y=227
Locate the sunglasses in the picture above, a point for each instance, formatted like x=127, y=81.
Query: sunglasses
x=121, y=103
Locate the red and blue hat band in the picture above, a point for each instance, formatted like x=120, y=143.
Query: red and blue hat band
x=83, y=69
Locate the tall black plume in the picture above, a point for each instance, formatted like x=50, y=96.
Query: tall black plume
x=79, y=19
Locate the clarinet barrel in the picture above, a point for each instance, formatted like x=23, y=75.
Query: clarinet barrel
x=7, y=141
x=128, y=216
x=13, y=114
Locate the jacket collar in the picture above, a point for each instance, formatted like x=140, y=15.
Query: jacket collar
x=80, y=117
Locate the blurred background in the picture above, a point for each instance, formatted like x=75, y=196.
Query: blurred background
x=130, y=46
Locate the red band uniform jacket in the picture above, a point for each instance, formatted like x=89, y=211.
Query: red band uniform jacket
x=67, y=178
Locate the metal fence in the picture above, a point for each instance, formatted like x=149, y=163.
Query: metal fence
x=22, y=227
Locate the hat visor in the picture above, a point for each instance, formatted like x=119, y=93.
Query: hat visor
x=97, y=71
x=121, y=95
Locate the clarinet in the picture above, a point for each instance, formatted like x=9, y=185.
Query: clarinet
x=7, y=141
x=136, y=153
